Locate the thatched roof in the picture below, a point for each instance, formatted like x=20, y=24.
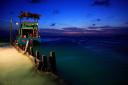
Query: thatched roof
x=29, y=15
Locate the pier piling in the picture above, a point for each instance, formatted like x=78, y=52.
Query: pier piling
x=52, y=62
x=37, y=57
x=32, y=51
x=41, y=64
x=45, y=63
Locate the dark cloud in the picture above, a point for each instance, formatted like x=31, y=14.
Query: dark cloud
x=98, y=19
x=37, y=1
x=102, y=2
x=53, y=24
x=93, y=24
x=126, y=23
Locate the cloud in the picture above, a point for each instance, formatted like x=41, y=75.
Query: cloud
x=102, y=2
x=73, y=29
x=126, y=23
x=98, y=31
x=53, y=24
x=98, y=19
x=36, y=1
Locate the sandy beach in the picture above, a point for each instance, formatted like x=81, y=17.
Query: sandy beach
x=17, y=69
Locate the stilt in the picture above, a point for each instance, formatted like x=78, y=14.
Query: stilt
x=37, y=57
x=41, y=64
x=45, y=64
x=52, y=62
x=32, y=51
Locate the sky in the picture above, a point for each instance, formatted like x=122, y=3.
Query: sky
x=68, y=13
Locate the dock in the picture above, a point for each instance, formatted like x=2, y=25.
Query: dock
x=18, y=69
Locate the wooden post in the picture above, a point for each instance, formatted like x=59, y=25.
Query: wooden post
x=37, y=54
x=45, y=64
x=26, y=46
x=11, y=31
x=41, y=64
x=36, y=57
x=17, y=46
x=21, y=47
x=52, y=62
x=29, y=51
x=32, y=51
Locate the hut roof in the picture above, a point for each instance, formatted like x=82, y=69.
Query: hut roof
x=29, y=15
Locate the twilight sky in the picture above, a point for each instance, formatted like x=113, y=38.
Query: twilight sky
x=68, y=13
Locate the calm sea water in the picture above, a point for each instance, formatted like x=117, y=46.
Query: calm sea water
x=89, y=61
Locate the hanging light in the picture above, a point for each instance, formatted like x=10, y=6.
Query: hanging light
x=17, y=23
x=37, y=24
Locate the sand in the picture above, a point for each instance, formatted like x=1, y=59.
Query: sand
x=17, y=69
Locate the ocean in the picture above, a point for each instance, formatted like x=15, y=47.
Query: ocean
x=89, y=60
